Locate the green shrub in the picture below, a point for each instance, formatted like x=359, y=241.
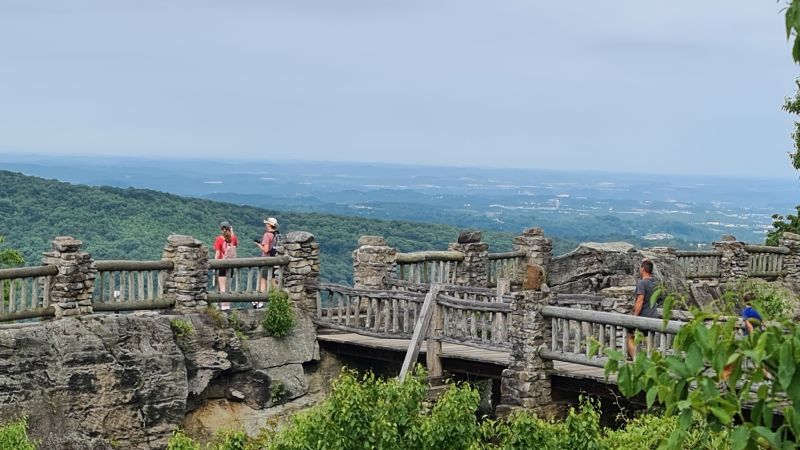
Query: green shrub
x=181, y=328
x=14, y=435
x=179, y=441
x=768, y=299
x=279, y=318
x=230, y=440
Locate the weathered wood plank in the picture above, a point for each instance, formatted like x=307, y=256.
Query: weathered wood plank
x=420, y=330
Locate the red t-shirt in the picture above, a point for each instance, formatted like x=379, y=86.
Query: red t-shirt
x=220, y=245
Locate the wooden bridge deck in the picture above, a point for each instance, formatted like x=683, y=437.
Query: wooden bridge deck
x=458, y=352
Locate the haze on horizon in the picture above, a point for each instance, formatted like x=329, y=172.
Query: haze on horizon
x=680, y=87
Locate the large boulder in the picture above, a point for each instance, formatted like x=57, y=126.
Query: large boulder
x=593, y=267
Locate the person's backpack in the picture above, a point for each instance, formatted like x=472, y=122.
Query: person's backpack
x=276, y=236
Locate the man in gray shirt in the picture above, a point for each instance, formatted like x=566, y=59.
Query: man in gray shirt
x=644, y=305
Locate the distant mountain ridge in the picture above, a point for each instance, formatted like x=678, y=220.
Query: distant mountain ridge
x=133, y=224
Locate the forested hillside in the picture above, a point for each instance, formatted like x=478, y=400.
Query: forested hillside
x=130, y=223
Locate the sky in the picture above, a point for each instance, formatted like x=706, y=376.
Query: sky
x=678, y=87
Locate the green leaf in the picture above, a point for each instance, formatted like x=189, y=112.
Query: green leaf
x=723, y=415
x=786, y=366
x=790, y=13
x=796, y=49
x=694, y=360
x=651, y=396
x=739, y=438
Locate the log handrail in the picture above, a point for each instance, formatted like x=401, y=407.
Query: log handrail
x=507, y=255
x=620, y=320
x=753, y=248
x=415, y=257
x=234, y=263
x=28, y=272
x=128, y=265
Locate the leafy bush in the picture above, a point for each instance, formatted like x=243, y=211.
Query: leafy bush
x=181, y=328
x=713, y=374
x=279, y=318
x=179, y=441
x=768, y=299
x=14, y=435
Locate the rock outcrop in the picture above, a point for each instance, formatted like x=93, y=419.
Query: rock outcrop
x=126, y=381
x=594, y=267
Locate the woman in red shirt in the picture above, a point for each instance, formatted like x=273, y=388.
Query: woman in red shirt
x=225, y=248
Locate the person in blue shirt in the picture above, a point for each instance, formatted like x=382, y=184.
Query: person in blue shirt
x=751, y=321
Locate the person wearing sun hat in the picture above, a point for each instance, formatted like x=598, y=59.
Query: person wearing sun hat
x=267, y=246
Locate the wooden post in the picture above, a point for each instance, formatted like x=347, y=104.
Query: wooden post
x=433, y=357
x=420, y=330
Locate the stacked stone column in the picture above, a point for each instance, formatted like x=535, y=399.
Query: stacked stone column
x=71, y=290
x=734, y=261
x=301, y=276
x=373, y=260
x=791, y=262
x=539, y=252
x=525, y=383
x=187, y=282
x=474, y=270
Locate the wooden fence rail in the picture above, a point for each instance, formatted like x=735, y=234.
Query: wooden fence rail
x=572, y=331
x=509, y=265
x=25, y=292
x=765, y=261
x=700, y=264
x=429, y=266
x=472, y=316
x=244, y=278
x=132, y=283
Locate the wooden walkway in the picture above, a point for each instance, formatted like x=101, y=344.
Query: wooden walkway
x=458, y=352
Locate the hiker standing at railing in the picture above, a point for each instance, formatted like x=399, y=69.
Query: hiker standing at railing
x=225, y=248
x=267, y=246
x=644, y=305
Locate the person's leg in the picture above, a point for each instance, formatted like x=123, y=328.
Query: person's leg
x=631, y=344
x=223, y=287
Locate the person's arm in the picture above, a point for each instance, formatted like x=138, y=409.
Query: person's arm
x=638, y=305
x=748, y=326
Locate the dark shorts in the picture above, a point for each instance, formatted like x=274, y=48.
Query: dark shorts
x=222, y=272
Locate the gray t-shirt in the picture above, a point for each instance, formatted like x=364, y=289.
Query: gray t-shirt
x=646, y=287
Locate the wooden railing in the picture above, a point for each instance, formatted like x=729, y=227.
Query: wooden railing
x=25, y=292
x=507, y=265
x=700, y=264
x=765, y=261
x=428, y=267
x=244, y=278
x=470, y=316
x=572, y=331
x=368, y=311
x=130, y=285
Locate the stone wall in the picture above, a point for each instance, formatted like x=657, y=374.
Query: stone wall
x=71, y=291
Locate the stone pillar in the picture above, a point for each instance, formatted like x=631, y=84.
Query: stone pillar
x=791, y=262
x=525, y=384
x=71, y=290
x=301, y=277
x=372, y=261
x=474, y=270
x=188, y=280
x=734, y=261
x=539, y=251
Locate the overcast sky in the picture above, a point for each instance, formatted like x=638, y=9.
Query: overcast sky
x=677, y=86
